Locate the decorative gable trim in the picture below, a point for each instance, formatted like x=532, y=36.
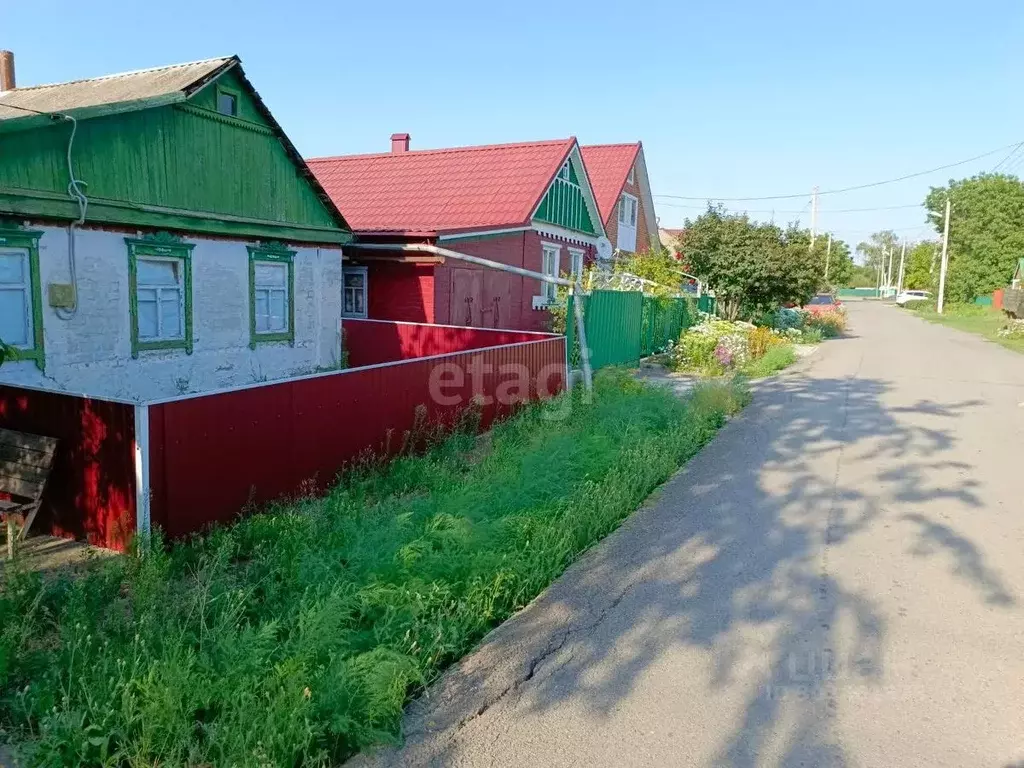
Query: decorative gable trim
x=237, y=122
x=585, y=221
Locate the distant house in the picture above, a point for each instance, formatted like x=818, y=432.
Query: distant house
x=669, y=239
x=159, y=234
x=618, y=173
x=527, y=205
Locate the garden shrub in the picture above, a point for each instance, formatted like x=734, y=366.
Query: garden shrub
x=760, y=340
x=831, y=323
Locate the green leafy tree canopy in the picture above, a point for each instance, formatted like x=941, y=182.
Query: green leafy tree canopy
x=986, y=231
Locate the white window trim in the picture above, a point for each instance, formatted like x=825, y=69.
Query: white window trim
x=563, y=172
x=576, y=256
x=26, y=288
x=271, y=289
x=635, y=209
x=179, y=287
x=366, y=292
x=548, y=291
x=631, y=178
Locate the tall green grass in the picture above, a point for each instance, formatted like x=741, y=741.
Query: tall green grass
x=296, y=636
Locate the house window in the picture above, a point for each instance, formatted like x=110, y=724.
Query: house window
x=631, y=179
x=160, y=293
x=16, y=323
x=21, y=317
x=551, y=258
x=576, y=263
x=161, y=300
x=563, y=172
x=227, y=102
x=355, y=292
x=627, y=223
x=271, y=295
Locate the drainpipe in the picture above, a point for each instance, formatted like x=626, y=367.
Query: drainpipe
x=574, y=287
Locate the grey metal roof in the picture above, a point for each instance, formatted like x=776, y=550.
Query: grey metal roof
x=125, y=88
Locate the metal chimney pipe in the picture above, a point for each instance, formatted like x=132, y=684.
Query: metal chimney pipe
x=6, y=71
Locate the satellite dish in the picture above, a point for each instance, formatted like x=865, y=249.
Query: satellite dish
x=604, y=248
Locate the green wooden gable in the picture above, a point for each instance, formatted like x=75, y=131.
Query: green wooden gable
x=565, y=205
x=180, y=165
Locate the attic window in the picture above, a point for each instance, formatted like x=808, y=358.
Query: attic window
x=563, y=172
x=631, y=179
x=227, y=102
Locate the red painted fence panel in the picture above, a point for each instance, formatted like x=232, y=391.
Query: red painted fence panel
x=91, y=489
x=211, y=456
x=369, y=342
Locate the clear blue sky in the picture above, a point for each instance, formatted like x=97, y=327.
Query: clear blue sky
x=730, y=99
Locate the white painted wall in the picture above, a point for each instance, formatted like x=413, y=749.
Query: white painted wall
x=91, y=352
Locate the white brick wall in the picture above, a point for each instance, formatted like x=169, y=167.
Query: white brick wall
x=91, y=352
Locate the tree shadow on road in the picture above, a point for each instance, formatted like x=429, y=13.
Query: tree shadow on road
x=730, y=562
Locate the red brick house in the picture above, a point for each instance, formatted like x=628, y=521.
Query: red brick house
x=527, y=205
x=618, y=174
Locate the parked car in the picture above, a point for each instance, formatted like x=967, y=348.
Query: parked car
x=906, y=296
x=823, y=302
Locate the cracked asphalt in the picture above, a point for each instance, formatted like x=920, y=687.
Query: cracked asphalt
x=836, y=580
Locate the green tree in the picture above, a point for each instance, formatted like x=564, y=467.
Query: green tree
x=656, y=265
x=752, y=266
x=862, y=276
x=986, y=231
x=921, y=269
x=874, y=251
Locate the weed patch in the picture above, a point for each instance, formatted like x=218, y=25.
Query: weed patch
x=296, y=636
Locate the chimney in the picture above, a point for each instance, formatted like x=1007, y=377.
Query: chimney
x=6, y=71
x=399, y=141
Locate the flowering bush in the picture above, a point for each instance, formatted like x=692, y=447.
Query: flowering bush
x=830, y=323
x=1013, y=330
x=713, y=345
x=761, y=339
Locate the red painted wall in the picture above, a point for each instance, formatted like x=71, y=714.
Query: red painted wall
x=519, y=249
x=213, y=456
x=399, y=291
x=90, y=493
x=370, y=342
x=611, y=226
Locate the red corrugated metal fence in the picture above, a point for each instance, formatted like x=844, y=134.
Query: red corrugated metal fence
x=369, y=342
x=90, y=493
x=211, y=456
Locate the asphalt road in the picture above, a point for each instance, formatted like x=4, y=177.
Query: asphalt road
x=837, y=580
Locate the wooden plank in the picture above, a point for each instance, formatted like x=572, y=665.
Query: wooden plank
x=23, y=488
x=25, y=440
x=27, y=456
x=26, y=472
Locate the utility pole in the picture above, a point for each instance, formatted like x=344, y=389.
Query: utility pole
x=814, y=215
x=903, y=256
x=945, y=261
x=888, y=274
x=828, y=256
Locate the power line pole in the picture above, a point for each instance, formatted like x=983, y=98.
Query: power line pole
x=828, y=256
x=888, y=274
x=945, y=260
x=903, y=256
x=814, y=214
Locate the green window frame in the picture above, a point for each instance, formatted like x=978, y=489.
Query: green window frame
x=271, y=253
x=162, y=246
x=236, y=97
x=29, y=241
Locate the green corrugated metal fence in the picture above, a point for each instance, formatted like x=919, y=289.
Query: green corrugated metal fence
x=623, y=326
x=863, y=293
x=613, y=322
x=707, y=304
x=662, y=322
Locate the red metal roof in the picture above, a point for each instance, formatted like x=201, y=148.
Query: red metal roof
x=607, y=165
x=442, y=190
